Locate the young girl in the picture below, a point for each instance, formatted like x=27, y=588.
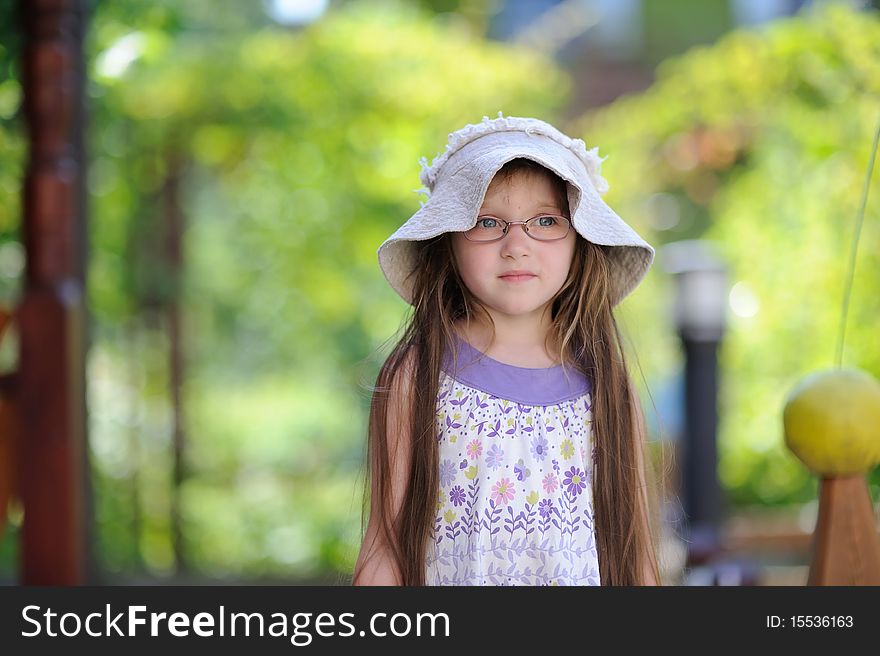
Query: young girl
x=505, y=437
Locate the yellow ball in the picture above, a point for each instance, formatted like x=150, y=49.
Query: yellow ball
x=832, y=422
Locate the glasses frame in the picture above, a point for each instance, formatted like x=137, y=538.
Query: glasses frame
x=525, y=226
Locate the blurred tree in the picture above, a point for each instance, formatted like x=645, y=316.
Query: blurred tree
x=761, y=143
x=12, y=162
x=11, y=252
x=673, y=26
x=296, y=153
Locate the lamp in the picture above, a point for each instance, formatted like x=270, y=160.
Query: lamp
x=699, y=313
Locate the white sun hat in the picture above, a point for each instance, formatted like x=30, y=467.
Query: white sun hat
x=456, y=182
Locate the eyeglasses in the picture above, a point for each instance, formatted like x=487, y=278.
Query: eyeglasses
x=544, y=227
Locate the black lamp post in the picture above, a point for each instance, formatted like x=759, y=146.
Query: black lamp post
x=699, y=314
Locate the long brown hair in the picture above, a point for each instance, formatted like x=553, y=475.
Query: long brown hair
x=585, y=334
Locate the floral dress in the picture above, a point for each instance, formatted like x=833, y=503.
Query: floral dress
x=515, y=503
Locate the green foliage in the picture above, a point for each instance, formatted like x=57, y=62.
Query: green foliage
x=297, y=154
x=12, y=163
x=670, y=26
x=760, y=143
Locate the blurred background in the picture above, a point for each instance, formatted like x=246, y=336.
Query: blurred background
x=244, y=161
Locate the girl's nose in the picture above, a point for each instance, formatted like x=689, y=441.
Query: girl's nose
x=516, y=242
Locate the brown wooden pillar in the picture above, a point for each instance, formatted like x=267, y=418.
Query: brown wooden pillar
x=50, y=391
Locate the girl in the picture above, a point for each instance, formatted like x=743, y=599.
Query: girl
x=505, y=437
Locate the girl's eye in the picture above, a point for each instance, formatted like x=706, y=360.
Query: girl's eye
x=546, y=221
x=487, y=223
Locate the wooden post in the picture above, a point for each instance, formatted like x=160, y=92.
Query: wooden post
x=50, y=391
x=846, y=549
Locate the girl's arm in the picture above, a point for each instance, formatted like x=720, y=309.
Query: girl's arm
x=649, y=559
x=375, y=563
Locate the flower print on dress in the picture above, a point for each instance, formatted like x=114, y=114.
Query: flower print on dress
x=566, y=448
x=539, y=447
x=453, y=422
x=575, y=480
x=495, y=457
x=447, y=473
x=550, y=483
x=522, y=472
x=503, y=491
x=452, y=527
x=490, y=527
x=456, y=496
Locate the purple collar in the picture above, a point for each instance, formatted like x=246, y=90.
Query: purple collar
x=543, y=386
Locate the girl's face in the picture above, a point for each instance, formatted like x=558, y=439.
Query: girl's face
x=482, y=265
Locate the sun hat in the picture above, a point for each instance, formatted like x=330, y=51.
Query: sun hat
x=457, y=180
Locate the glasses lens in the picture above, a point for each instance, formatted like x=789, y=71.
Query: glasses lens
x=544, y=228
x=548, y=227
x=487, y=229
